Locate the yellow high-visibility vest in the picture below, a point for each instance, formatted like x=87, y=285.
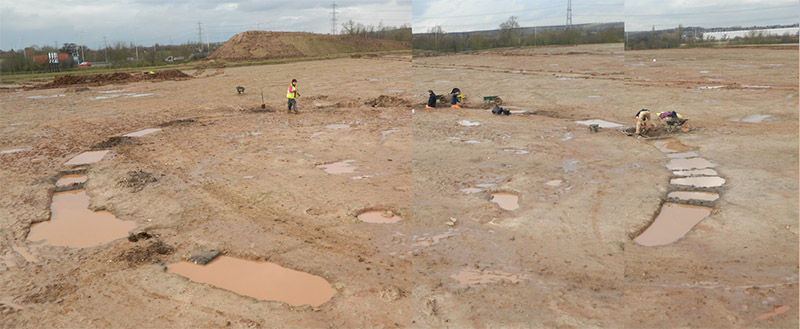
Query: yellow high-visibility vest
x=291, y=94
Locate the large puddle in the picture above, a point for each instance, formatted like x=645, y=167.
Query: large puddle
x=506, y=201
x=693, y=195
x=380, y=217
x=688, y=164
x=71, y=179
x=699, y=181
x=755, y=118
x=341, y=167
x=87, y=158
x=73, y=224
x=141, y=133
x=260, y=280
x=672, y=223
x=471, y=277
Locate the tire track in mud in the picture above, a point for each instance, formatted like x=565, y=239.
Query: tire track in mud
x=694, y=190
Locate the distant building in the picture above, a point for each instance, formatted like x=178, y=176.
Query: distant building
x=728, y=35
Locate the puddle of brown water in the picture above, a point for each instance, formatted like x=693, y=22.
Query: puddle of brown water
x=670, y=145
x=688, y=164
x=141, y=133
x=506, y=201
x=260, y=280
x=692, y=195
x=380, y=217
x=672, y=223
x=471, y=190
x=468, y=277
x=695, y=172
x=699, y=181
x=87, y=158
x=71, y=179
x=341, y=167
x=72, y=224
x=685, y=154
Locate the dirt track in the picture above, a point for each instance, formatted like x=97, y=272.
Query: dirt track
x=247, y=183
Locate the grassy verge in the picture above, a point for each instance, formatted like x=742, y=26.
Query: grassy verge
x=33, y=78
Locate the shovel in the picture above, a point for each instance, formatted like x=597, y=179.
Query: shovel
x=263, y=105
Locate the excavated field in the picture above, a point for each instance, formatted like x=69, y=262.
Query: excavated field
x=486, y=221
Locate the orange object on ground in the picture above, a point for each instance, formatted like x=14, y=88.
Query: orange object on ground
x=455, y=107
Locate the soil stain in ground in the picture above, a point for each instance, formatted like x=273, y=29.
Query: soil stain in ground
x=471, y=277
x=87, y=158
x=506, y=201
x=672, y=223
x=72, y=224
x=261, y=280
x=341, y=167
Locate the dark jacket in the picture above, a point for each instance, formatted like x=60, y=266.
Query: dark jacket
x=432, y=100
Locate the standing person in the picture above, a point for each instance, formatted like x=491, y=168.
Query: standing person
x=292, y=95
x=641, y=120
x=431, y=100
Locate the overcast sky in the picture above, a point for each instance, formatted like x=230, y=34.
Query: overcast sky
x=641, y=15
x=27, y=22
x=46, y=22
x=471, y=15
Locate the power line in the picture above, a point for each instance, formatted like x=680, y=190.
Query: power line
x=333, y=18
x=709, y=12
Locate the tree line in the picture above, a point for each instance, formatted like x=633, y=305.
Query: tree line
x=680, y=37
x=510, y=34
x=401, y=33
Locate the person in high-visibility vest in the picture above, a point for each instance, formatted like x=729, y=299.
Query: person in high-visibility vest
x=292, y=95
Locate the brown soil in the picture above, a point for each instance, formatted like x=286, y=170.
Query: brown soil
x=108, y=78
x=388, y=101
x=255, y=45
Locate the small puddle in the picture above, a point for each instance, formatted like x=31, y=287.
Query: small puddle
x=378, y=216
x=699, y=181
x=693, y=195
x=601, y=123
x=506, y=201
x=87, y=158
x=469, y=277
x=755, y=118
x=317, y=134
x=467, y=123
x=337, y=126
x=672, y=223
x=71, y=179
x=16, y=150
x=691, y=163
x=670, y=146
x=427, y=242
x=696, y=172
x=686, y=154
x=778, y=310
x=387, y=133
x=471, y=190
x=260, y=280
x=141, y=133
x=555, y=182
x=341, y=167
x=73, y=224
x=45, y=97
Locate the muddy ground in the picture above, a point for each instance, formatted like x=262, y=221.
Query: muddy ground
x=570, y=245
x=233, y=177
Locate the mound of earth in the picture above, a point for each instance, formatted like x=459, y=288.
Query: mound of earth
x=253, y=45
x=110, y=78
x=388, y=101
